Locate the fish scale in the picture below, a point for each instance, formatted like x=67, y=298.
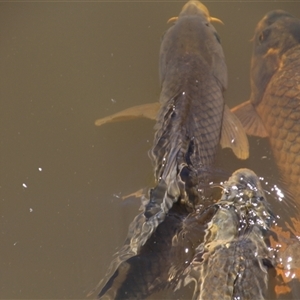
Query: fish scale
x=189, y=122
x=162, y=259
x=280, y=107
x=273, y=110
x=195, y=115
x=234, y=258
x=221, y=273
x=193, y=77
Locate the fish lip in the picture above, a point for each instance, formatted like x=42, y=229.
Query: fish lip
x=245, y=181
x=194, y=7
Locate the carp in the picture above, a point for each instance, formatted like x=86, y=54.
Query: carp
x=273, y=110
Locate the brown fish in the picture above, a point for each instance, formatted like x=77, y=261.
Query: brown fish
x=193, y=76
x=161, y=260
x=273, y=110
x=233, y=261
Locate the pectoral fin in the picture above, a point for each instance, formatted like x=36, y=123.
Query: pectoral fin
x=233, y=135
x=148, y=110
x=137, y=194
x=250, y=119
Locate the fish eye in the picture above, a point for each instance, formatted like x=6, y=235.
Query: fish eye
x=264, y=35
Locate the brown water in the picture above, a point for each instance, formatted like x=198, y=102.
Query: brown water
x=63, y=65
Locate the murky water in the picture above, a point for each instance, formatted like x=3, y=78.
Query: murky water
x=63, y=65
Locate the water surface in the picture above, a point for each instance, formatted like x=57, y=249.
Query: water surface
x=63, y=65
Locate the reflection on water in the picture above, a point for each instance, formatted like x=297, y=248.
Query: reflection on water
x=61, y=69
x=240, y=236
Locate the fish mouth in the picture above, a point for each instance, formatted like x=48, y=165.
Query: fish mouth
x=245, y=183
x=194, y=7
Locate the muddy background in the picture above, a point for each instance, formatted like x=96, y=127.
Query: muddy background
x=62, y=66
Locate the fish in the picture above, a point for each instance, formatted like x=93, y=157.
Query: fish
x=158, y=263
x=193, y=77
x=235, y=257
x=273, y=110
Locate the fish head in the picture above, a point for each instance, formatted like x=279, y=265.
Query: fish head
x=275, y=34
x=243, y=192
x=194, y=7
x=193, y=36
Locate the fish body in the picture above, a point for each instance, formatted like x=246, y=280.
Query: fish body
x=158, y=263
x=193, y=77
x=273, y=110
x=191, y=111
x=233, y=261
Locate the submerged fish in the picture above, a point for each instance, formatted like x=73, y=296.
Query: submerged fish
x=233, y=261
x=193, y=76
x=160, y=262
x=273, y=110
